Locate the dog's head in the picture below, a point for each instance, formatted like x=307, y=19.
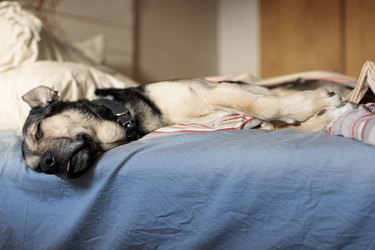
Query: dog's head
x=65, y=138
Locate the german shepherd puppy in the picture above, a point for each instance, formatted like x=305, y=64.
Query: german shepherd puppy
x=65, y=138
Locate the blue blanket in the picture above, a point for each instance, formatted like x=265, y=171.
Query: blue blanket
x=248, y=189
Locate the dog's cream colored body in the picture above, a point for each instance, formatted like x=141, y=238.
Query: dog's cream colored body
x=200, y=101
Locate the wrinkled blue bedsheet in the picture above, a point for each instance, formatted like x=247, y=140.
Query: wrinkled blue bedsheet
x=248, y=189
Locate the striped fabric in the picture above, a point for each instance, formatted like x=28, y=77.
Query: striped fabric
x=222, y=123
x=365, y=81
x=358, y=124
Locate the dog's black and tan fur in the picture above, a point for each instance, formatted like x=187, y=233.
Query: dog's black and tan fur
x=65, y=138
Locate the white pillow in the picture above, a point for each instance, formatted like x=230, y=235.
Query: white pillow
x=25, y=40
x=72, y=80
x=19, y=36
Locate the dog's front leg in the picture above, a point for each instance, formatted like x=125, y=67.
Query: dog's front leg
x=292, y=109
x=301, y=106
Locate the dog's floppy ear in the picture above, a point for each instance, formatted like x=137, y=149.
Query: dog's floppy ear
x=40, y=97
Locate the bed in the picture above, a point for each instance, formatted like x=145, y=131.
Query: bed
x=230, y=188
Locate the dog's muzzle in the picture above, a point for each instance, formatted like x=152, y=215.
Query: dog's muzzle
x=69, y=157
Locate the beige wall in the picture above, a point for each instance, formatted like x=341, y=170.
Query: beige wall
x=238, y=37
x=176, y=39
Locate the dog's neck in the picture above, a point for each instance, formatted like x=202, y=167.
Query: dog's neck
x=123, y=116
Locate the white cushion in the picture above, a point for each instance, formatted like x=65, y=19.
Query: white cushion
x=19, y=36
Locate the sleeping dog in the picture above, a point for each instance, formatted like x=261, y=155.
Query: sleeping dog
x=65, y=138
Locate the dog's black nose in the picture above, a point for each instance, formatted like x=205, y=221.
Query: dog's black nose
x=48, y=164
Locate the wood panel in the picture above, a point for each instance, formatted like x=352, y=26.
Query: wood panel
x=359, y=35
x=300, y=35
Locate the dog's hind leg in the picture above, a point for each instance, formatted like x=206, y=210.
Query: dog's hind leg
x=292, y=109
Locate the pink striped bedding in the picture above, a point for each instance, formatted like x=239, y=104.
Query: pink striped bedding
x=358, y=124
x=222, y=123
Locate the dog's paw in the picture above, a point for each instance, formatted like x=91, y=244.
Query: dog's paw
x=339, y=111
x=323, y=118
x=312, y=101
x=325, y=99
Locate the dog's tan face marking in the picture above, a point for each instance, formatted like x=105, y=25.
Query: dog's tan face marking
x=68, y=124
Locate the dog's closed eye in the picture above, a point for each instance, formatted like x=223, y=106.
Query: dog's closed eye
x=38, y=133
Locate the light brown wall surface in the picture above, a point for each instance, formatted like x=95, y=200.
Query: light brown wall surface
x=175, y=39
x=359, y=34
x=300, y=35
